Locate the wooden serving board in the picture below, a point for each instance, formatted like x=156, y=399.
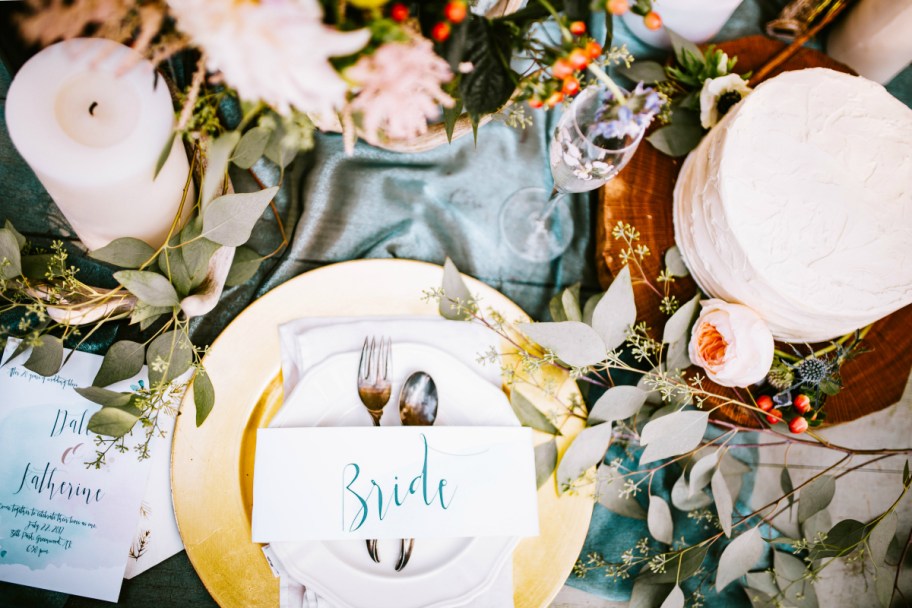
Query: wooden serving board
x=642, y=196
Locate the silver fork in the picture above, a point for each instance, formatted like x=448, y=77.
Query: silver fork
x=374, y=389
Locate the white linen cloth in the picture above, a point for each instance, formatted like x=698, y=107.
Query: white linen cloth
x=306, y=342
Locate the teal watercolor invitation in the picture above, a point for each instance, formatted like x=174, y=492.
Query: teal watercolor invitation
x=63, y=526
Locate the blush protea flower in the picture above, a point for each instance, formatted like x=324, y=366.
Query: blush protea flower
x=276, y=51
x=399, y=89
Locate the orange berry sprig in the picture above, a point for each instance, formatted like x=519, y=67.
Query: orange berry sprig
x=454, y=13
x=399, y=12
x=566, y=76
x=651, y=19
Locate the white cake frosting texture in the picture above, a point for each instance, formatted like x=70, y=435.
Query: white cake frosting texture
x=798, y=204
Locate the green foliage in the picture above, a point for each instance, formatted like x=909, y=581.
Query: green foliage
x=229, y=219
x=125, y=252
x=123, y=360
x=203, y=395
x=489, y=47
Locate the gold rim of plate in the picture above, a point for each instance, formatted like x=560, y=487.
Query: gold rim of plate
x=212, y=465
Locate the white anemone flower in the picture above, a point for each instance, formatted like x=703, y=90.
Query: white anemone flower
x=714, y=90
x=276, y=51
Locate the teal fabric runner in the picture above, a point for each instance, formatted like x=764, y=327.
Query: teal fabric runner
x=377, y=204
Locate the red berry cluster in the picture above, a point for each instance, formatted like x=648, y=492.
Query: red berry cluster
x=651, y=19
x=565, y=70
x=798, y=423
x=454, y=13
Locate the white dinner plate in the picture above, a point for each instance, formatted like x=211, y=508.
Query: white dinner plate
x=442, y=572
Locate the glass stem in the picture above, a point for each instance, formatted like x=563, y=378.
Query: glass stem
x=552, y=205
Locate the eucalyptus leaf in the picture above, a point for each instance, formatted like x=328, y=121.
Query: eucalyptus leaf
x=678, y=355
x=573, y=342
x=616, y=311
x=684, y=47
x=672, y=435
x=251, y=147
x=244, y=265
x=46, y=356
x=653, y=396
x=125, y=252
x=723, y=500
x=674, y=262
x=644, y=71
x=676, y=139
x=907, y=476
x=617, y=403
x=880, y=539
x=456, y=296
x=589, y=308
x=659, y=521
x=20, y=240
x=217, y=165
x=143, y=313
x=675, y=599
x=609, y=492
x=164, y=155
x=785, y=482
x=677, y=327
x=684, y=501
x=545, y=461
x=842, y=539
x=172, y=266
x=103, y=396
x=112, y=421
x=195, y=254
x=739, y=556
x=529, y=415
x=646, y=595
x=556, y=308
x=10, y=258
x=229, y=219
x=587, y=450
x=883, y=587
x=203, y=395
x=168, y=356
x=702, y=472
x=123, y=360
x=40, y=266
x=764, y=581
x=815, y=496
x=789, y=569
x=818, y=523
x=150, y=287
x=570, y=303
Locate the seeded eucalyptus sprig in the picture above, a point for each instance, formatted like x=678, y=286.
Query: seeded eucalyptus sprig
x=160, y=289
x=637, y=436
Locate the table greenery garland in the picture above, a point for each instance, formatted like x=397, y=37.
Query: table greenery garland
x=663, y=423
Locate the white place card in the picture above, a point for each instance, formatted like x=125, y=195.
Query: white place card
x=63, y=526
x=333, y=483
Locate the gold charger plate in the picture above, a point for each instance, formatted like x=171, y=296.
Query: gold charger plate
x=212, y=465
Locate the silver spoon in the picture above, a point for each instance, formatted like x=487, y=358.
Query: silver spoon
x=417, y=407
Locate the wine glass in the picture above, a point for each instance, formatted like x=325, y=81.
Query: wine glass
x=591, y=144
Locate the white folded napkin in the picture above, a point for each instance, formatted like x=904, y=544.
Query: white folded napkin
x=307, y=342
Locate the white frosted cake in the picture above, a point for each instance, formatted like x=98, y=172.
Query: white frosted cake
x=799, y=205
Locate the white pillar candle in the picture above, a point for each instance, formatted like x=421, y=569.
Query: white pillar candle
x=874, y=39
x=91, y=118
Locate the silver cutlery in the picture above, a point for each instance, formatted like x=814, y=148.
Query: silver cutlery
x=374, y=389
x=417, y=407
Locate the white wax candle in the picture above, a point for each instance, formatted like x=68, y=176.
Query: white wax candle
x=91, y=118
x=874, y=39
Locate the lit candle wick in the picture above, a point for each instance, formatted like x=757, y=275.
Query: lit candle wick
x=92, y=108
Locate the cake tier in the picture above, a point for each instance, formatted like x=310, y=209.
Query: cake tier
x=799, y=205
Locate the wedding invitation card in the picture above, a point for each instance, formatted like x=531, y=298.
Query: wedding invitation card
x=334, y=483
x=63, y=526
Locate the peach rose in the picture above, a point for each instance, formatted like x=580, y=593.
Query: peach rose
x=731, y=343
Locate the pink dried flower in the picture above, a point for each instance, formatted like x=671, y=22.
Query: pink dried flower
x=399, y=89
